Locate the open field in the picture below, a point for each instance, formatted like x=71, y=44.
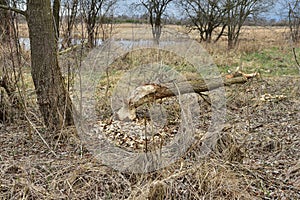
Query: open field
x=269, y=35
x=257, y=152
x=263, y=49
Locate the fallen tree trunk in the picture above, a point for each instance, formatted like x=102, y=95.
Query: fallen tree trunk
x=152, y=92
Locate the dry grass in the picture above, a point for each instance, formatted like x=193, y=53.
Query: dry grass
x=237, y=168
x=30, y=171
x=255, y=158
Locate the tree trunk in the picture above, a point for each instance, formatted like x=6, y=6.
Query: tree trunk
x=156, y=30
x=56, y=8
x=4, y=24
x=53, y=100
x=152, y=92
x=91, y=38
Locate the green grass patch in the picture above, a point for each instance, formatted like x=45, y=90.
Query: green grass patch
x=274, y=61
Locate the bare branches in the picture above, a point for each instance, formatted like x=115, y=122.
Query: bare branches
x=205, y=16
x=94, y=13
x=294, y=26
x=156, y=9
x=16, y=10
x=294, y=20
x=296, y=59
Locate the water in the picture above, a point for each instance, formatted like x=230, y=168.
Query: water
x=25, y=43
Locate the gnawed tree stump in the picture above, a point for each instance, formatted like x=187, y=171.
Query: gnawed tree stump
x=152, y=92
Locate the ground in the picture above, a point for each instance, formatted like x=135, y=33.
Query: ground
x=256, y=156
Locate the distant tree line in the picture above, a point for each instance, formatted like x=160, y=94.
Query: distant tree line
x=211, y=18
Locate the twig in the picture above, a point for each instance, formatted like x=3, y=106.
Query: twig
x=296, y=59
x=204, y=96
x=39, y=134
x=71, y=48
x=16, y=10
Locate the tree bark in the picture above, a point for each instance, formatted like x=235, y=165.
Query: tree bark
x=5, y=23
x=151, y=92
x=155, y=9
x=56, y=8
x=54, y=102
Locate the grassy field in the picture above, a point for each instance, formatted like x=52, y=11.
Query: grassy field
x=264, y=49
x=256, y=154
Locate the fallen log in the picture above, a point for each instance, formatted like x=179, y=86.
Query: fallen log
x=152, y=92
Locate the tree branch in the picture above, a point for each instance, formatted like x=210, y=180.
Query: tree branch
x=16, y=10
x=296, y=59
x=152, y=92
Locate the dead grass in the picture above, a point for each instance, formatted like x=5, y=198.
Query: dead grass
x=255, y=158
x=30, y=171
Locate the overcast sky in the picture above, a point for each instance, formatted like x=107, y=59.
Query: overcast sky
x=125, y=7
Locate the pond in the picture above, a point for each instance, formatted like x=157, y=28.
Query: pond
x=25, y=42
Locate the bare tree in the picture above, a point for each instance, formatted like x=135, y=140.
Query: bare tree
x=53, y=100
x=93, y=12
x=70, y=12
x=205, y=16
x=208, y=15
x=294, y=20
x=155, y=9
x=237, y=11
x=294, y=26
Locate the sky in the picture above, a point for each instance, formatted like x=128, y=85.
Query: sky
x=126, y=8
